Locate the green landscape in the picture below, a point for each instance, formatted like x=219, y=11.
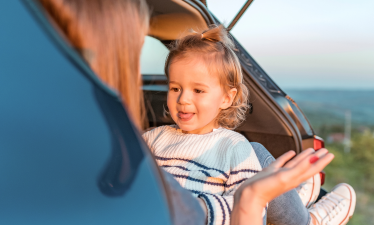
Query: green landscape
x=327, y=111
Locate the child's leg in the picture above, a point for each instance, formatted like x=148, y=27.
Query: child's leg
x=286, y=209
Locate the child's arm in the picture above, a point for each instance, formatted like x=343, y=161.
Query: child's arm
x=216, y=208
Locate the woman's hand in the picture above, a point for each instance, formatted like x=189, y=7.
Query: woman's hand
x=281, y=176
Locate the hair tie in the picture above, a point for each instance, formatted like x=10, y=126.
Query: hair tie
x=209, y=39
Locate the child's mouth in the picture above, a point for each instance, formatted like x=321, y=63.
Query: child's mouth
x=185, y=116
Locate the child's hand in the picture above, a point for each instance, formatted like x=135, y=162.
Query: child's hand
x=281, y=176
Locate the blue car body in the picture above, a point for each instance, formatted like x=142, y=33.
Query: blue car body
x=69, y=153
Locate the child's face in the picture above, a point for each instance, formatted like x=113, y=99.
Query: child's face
x=195, y=96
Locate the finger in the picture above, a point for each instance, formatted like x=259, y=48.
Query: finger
x=304, y=154
x=321, y=152
x=318, y=155
x=293, y=177
x=304, y=170
x=317, y=166
x=281, y=160
x=300, y=157
x=322, y=162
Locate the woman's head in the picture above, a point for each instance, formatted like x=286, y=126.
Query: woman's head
x=205, y=82
x=109, y=34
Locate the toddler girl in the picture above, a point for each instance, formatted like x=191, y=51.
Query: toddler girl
x=207, y=100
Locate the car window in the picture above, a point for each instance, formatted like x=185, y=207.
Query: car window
x=153, y=57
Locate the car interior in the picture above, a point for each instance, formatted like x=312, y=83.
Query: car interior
x=271, y=120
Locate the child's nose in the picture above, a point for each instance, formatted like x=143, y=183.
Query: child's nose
x=184, y=98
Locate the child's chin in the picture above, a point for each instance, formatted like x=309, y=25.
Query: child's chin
x=185, y=127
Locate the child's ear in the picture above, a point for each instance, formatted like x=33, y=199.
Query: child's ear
x=229, y=98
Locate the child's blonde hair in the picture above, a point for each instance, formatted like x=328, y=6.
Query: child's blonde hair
x=217, y=50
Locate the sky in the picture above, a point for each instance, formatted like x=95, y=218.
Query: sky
x=320, y=44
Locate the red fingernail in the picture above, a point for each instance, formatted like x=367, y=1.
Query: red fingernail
x=313, y=159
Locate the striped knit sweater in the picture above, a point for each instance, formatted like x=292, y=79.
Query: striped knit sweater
x=211, y=166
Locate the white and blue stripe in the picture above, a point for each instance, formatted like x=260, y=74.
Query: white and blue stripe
x=212, y=166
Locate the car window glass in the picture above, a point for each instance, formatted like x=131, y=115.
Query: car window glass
x=153, y=56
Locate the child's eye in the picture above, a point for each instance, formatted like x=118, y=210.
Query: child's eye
x=175, y=89
x=199, y=91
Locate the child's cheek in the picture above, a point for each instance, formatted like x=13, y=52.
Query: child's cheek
x=206, y=107
x=171, y=105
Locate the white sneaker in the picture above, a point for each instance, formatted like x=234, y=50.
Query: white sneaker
x=336, y=207
x=309, y=190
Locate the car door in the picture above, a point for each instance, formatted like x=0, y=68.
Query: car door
x=69, y=153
